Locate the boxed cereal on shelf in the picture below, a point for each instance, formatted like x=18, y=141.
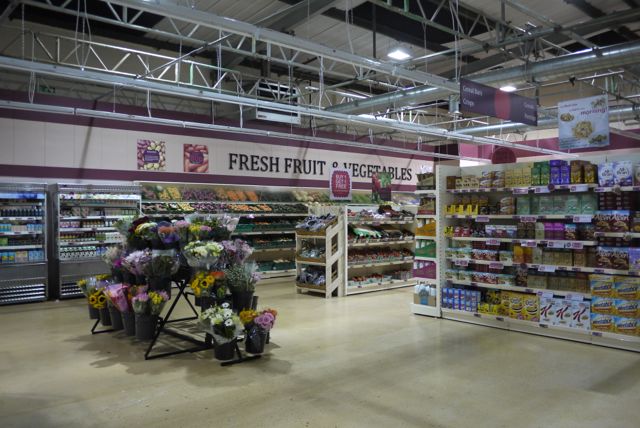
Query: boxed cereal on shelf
x=562, y=312
x=601, y=285
x=605, y=174
x=622, y=325
x=623, y=173
x=547, y=304
x=601, y=322
x=626, y=308
x=581, y=315
x=626, y=287
x=516, y=305
x=504, y=303
x=602, y=305
x=531, y=308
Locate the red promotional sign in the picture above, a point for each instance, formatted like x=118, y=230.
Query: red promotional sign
x=340, y=184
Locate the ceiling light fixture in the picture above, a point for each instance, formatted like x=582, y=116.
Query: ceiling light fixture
x=508, y=88
x=398, y=54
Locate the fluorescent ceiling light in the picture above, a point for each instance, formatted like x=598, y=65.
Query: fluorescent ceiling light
x=398, y=54
x=508, y=88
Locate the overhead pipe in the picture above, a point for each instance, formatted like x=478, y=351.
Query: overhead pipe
x=619, y=55
x=615, y=113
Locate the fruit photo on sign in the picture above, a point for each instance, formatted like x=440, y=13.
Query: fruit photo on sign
x=151, y=155
x=196, y=158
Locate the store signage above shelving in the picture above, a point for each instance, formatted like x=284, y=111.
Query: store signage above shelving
x=196, y=158
x=482, y=99
x=583, y=123
x=340, y=184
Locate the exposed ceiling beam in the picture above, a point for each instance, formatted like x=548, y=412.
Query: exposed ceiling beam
x=594, y=12
x=8, y=10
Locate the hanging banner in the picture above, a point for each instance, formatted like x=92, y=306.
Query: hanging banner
x=151, y=155
x=583, y=123
x=381, y=187
x=340, y=184
x=196, y=158
x=482, y=99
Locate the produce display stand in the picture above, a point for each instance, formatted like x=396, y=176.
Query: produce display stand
x=331, y=240
x=84, y=228
x=554, y=290
x=23, y=243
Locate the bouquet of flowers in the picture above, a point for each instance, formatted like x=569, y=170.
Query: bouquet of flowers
x=135, y=240
x=133, y=290
x=161, y=266
x=116, y=293
x=136, y=262
x=97, y=298
x=228, y=222
x=242, y=277
x=181, y=227
x=221, y=322
x=235, y=252
x=112, y=256
x=263, y=320
x=123, y=224
x=200, y=232
x=150, y=303
x=202, y=254
x=140, y=303
x=168, y=234
x=204, y=284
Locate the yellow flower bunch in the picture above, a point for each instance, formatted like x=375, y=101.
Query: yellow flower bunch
x=247, y=316
x=97, y=299
x=203, y=282
x=103, y=277
x=82, y=283
x=156, y=299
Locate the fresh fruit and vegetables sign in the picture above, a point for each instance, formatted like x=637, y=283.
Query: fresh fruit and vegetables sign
x=482, y=99
x=381, y=187
x=583, y=123
x=196, y=158
x=152, y=155
x=340, y=184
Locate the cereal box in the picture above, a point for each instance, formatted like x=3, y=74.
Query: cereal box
x=626, y=308
x=581, y=315
x=622, y=325
x=547, y=309
x=623, y=173
x=531, y=308
x=601, y=322
x=563, y=312
x=602, y=305
x=601, y=285
x=627, y=288
x=516, y=305
x=634, y=259
x=504, y=303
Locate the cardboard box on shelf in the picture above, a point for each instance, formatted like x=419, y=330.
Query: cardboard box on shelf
x=581, y=315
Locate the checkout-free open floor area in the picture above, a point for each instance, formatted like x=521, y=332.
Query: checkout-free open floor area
x=360, y=361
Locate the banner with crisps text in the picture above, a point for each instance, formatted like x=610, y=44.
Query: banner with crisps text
x=583, y=123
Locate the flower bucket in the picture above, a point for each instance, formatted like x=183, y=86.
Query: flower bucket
x=116, y=318
x=94, y=314
x=129, y=323
x=105, y=318
x=207, y=302
x=255, y=340
x=160, y=284
x=242, y=300
x=224, y=351
x=146, y=326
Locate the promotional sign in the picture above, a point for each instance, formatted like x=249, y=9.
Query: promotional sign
x=482, y=99
x=340, y=184
x=583, y=123
x=152, y=155
x=196, y=158
x=381, y=187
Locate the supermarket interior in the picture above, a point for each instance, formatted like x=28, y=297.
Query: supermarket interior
x=320, y=213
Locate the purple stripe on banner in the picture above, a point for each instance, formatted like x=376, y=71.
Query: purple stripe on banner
x=122, y=175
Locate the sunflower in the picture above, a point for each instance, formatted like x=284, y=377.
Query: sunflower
x=92, y=300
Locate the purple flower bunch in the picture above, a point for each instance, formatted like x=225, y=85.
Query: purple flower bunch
x=265, y=320
x=137, y=261
x=236, y=251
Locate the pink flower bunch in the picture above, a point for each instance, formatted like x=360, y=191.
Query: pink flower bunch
x=265, y=320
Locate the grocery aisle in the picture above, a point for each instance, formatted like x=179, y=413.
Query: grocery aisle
x=352, y=362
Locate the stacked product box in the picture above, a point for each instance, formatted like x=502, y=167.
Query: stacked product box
x=615, y=304
x=565, y=312
x=8, y=257
x=460, y=299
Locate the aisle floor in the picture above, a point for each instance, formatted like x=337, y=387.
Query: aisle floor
x=361, y=361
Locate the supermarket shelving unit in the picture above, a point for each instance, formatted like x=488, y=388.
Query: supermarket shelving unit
x=23, y=243
x=353, y=269
x=84, y=228
x=445, y=197
x=331, y=239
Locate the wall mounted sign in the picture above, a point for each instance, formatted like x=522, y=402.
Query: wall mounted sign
x=196, y=158
x=340, y=184
x=583, y=123
x=482, y=99
x=152, y=155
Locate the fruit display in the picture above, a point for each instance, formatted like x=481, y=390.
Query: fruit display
x=368, y=255
x=383, y=213
x=214, y=207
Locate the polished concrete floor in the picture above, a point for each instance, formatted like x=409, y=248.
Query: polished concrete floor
x=361, y=361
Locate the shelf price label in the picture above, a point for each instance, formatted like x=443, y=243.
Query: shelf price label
x=582, y=218
x=600, y=189
x=530, y=244
x=528, y=219
x=556, y=244
x=579, y=188
x=542, y=189
x=462, y=262
x=546, y=268
x=496, y=265
x=575, y=245
x=493, y=242
x=520, y=190
x=482, y=219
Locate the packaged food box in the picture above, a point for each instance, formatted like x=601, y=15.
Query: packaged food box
x=620, y=221
x=601, y=322
x=626, y=308
x=531, y=308
x=602, y=305
x=625, y=287
x=516, y=305
x=601, y=285
x=606, y=176
x=602, y=220
x=623, y=325
x=547, y=304
x=562, y=312
x=581, y=315
x=623, y=173
x=504, y=303
x=612, y=258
